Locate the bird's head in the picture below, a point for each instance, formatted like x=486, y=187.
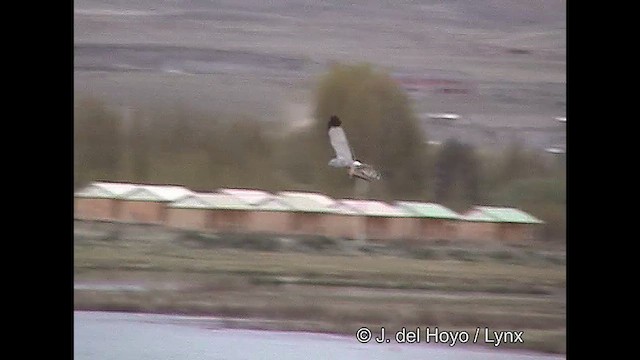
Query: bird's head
x=334, y=121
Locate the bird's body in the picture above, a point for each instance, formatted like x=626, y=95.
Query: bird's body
x=344, y=157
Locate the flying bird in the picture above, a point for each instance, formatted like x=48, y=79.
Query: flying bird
x=344, y=156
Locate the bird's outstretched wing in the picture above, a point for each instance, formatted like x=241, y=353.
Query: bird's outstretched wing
x=338, y=140
x=340, y=144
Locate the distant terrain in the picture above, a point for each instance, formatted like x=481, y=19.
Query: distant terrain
x=261, y=58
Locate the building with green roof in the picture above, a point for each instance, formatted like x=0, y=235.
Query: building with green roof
x=509, y=215
x=499, y=223
x=298, y=213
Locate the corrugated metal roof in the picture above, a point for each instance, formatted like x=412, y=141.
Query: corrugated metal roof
x=210, y=201
x=315, y=202
x=250, y=196
x=272, y=205
x=509, y=215
x=316, y=197
x=157, y=193
x=428, y=210
x=226, y=202
x=339, y=208
x=106, y=190
x=196, y=201
x=375, y=208
x=304, y=204
x=477, y=216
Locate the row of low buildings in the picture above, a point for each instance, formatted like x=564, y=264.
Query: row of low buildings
x=297, y=213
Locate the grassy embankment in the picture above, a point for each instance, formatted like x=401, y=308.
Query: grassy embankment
x=325, y=285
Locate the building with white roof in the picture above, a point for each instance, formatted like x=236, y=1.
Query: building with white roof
x=382, y=221
x=221, y=212
x=308, y=196
x=208, y=212
x=147, y=204
x=105, y=190
x=319, y=214
x=476, y=225
x=100, y=200
x=250, y=196
x=160, y=193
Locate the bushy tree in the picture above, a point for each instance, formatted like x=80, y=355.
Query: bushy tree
x=457, y=174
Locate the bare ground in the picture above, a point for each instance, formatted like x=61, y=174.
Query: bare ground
x=261, y=57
